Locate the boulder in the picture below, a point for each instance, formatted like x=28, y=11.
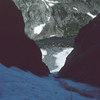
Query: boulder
x=83, y=63
x=16, y=49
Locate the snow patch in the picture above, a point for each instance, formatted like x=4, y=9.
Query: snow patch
x=91, y=15
x=38, y=29
x=61, y=57
x=50, y=3
x=52, y=35
x=75, y=8
x=48, y=18
x=44, y=53
x=46, y=3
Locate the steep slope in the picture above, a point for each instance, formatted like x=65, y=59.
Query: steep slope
x=83, y=63
x=56, y=17
x=16, y=49
x=16, y=84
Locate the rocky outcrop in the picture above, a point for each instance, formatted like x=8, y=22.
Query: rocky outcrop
x=56, y=17
x=83, y=63
x=15, y=47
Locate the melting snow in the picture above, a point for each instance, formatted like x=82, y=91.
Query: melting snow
x=61, y=57
x=39, y=28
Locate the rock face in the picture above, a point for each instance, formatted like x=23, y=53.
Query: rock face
x=83, y=63
x=56, y=17
x=15, y=47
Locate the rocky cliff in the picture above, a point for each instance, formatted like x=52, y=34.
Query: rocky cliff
x=56, y=17
x=16, y=49
x=83, y=63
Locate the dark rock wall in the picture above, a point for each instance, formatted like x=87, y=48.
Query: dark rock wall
x=15, y=47
x=83, y=63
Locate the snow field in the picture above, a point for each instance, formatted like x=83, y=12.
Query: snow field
x=16, y=84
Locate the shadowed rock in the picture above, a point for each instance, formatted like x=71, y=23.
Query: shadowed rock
x=83, y=63
x=16, y=49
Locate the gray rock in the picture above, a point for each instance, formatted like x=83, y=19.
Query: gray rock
x=63, y=18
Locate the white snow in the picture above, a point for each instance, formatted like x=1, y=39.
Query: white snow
x=46, y=3
x=38, y=28
x=49, y=3
x=52, y=35
x=44, y=53
x=75, y=8
x=48, y=18
x=16, y=84
x=61, y=57
x=91, y=15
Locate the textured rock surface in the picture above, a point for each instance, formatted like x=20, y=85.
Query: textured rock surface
x=57, y=17
x=83, y=63
x=15, y=47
